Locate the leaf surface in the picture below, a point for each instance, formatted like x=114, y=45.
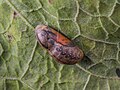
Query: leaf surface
x=94, y=25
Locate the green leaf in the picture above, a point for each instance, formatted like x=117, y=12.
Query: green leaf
x=94, y=25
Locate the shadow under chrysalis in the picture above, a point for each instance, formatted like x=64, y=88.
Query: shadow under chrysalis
x=118, y=72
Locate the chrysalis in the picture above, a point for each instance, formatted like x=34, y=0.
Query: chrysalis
x=58, y=45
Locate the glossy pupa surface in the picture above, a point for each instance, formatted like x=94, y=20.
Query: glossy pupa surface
x=58, y=45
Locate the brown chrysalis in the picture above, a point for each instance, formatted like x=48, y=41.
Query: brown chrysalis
x=58, y=45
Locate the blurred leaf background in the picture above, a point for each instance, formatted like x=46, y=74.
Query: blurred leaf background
x=94, y=25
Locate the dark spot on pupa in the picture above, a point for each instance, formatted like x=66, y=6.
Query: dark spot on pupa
x=63, y=53
x=59, y=49
x=66, y=56
x=51, y=41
